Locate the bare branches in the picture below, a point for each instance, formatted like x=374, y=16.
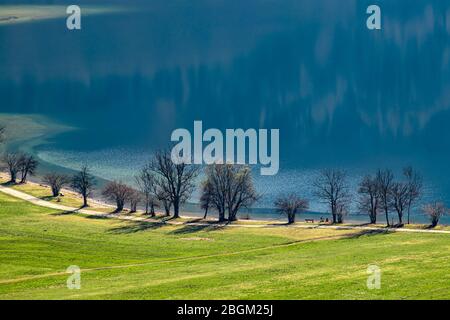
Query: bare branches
x=22, y=163
x=231, y=188
x=332, y=188
x=83, y=182
x=368, y=197
x=241, y=192
x=135, y=198
x=385, y=179
x=435, y=211
x=146, y=183
x=399, y=198
x=415, y=184
x=12, y=160
x=174, y=182
x=118, y=192
x=27, y=166
x=290, y=205
x=56, y=181
x=206, y=197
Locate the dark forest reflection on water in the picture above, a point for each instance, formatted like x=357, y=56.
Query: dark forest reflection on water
x=340, y=94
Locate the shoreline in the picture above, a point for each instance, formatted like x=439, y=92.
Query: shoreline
x=184, y=220
x=97, y=203
x=39, y=129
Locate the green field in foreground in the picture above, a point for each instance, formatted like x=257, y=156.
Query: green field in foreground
x=131, y=260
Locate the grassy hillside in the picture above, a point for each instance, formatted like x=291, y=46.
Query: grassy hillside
x=130, y=260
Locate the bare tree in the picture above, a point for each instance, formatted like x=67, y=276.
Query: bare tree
x=241, y=192
x=153, y=203
x=167, y=205
x=27, y=166
x=399, y=199
x=206, y=197
x=331, y=187
x=384, y=180
x=12, y=162
x=368, y=197
x=290, y=205
x=231, y=188
x=176, y=180
x=118, y=192
x=83, y=182
x=56, y=181
x=415, y=185
x=217, y=177
x=146, y=183
x=435, y=211
x=163, y=197
x=135, y=198
x=342, y=210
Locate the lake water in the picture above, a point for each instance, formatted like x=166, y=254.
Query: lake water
x=341, y=95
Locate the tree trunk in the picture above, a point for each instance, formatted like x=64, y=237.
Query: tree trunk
x=55, y=191
x=146, y=206
x=13, y=176
x=387, y=216
x=221, y=216
x=231, y=215
x=24, y=177
x=119, y=205
x=176, y=209
x=167, y=209
x=85, y=204
x=152, y=210
x=206, y=213
x=291, y=218
x=408, y=213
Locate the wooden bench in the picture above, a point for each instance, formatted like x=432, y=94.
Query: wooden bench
x=309, y=220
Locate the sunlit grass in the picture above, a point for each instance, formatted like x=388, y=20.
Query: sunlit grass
x=143, y=260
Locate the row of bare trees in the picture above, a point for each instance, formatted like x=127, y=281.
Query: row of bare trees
x=18, y=164
x=228, y=188
x=83, y=182
x=377, y=194
x=382, y=193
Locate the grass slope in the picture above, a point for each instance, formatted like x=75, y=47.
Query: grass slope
x=129, y=260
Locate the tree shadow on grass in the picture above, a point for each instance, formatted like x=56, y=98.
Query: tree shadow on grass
x=366, y=224
x=193, y=228
x=137, y=226
x=68, y=212
x=97, y=217
x=364, y=233
x=8, y=184
x=47, y=198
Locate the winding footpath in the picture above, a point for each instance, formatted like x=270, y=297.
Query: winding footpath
x=90, y=212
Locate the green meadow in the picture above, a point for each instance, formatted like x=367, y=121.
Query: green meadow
x=143, y=260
